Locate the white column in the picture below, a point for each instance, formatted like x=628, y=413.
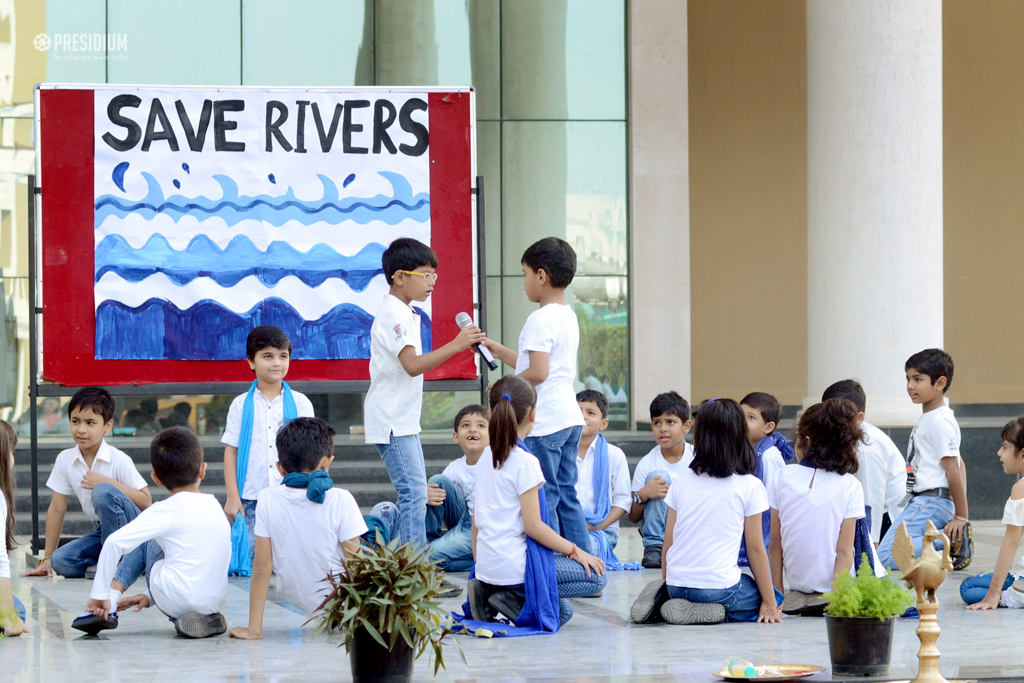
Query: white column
x=659, y=201
x=874, y=199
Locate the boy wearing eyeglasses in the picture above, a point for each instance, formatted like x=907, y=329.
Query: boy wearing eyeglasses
x=397, y=363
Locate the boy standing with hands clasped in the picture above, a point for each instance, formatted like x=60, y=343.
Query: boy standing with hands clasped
x=547, y=359
x=397, y=363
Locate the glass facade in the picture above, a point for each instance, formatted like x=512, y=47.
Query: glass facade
x=550, y=77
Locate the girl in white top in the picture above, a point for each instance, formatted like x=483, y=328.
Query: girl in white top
x=714, y=504
x=1003, y=587
x=816, y=505
x=506, y=509
x=10, y=623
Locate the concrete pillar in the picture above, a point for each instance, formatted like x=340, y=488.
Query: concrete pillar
x=874, y=199
x=659, y=201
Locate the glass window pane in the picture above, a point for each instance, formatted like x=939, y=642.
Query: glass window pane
x=494, y=318
x=488, y=164
x=333, y=46
x=515, y=309
x=603, y=359
x=564, y=59
x=485, y=44
x=75, y=17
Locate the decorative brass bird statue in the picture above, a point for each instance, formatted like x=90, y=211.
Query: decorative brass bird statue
x=926, y=573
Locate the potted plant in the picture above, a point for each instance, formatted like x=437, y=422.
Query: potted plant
x=861, y=618
x=385, y=602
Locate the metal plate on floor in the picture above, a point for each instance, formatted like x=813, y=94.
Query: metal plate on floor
x=774, y=672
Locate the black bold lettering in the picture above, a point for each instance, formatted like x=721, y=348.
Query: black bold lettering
x=274, y=128
x=410, y=126
x=300, y=127
x=347, y=128
x=221, y=125
x=380, y=126
x=326, y=140
x=195, y=139
x=134, y=133
x=156, y=111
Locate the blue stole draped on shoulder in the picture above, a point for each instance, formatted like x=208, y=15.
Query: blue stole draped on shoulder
x=601, y=483
x=541, y=610
x=241, y=561
x=785, y=447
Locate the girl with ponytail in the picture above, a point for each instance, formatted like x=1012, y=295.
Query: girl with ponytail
x=815, y=507
x=516, y=573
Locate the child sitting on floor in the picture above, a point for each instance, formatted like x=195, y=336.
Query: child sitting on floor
x=714, y=503
x=182, y=544
x=509, y=507
x=12, y=612
x=815, y=508
x=305, y=528
x=1004, y=587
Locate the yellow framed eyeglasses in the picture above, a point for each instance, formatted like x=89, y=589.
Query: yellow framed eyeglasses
x=429, y=277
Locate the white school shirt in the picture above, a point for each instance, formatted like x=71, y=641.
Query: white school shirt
x=1013, y=513
x=809, y=518
x=463, y=475
x=5, y=561
x=267, y=420
x=394, y=400
x=654, y=461
x=935, y=436
x=618, y=474
x=306, y=539
x=498, y=516
x=772, y=463
x=69, y=469
x=710, y=514
x=553, y=329
x=196, y=539
x=882, y=473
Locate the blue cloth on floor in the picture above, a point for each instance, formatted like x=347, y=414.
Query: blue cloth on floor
x=601, y=484
x=862, y=543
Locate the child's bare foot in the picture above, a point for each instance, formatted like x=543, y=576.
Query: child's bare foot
x=139, y=602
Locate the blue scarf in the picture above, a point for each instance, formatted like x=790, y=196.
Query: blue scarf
x=317, y=483
x=785, y=447
x=241, y=561
x=602, y=508
x=541, y=610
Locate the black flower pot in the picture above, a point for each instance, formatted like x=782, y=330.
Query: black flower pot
x=860, y=646
x=372, y=663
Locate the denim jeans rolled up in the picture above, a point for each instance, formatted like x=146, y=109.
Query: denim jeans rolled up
x=557, y=455
x=919, y=510
x=450, y=528
x=403, y=458
x=973, y=589
x=114, y=510
x=652, y=526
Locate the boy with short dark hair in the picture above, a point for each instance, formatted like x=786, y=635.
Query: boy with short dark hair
x=604, y=500
x=103, y=478
x=305, y=529
x=548, y=345
x=254, y=419
x=397, y=363
x=670, y=423
x=182, y=544
x=882, y=471
x=936, y=475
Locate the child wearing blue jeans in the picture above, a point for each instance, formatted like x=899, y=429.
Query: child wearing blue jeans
x=547, y=359
x=397, y=363
x=1004, y=587
x=12, y=612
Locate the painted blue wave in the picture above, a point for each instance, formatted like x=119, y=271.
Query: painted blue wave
x=231, y=207
x=239, y=259
x=159, y=330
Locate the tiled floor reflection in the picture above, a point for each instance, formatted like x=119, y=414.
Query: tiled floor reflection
x=599, y=644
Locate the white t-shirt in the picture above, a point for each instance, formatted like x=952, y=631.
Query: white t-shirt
x=553, y=329
x=498, y=515
x=5, y=561
x=772, y=463
x=1013, y=513
x=196, y=539
x=306, y=538
x=710, y=514
x=267, y=420
x=935, y=436
x=618, y=474
x=394, y=400
x=882, y=473
x=654, y=461
x=463, y=475
x=809, y=518
x=70, y=467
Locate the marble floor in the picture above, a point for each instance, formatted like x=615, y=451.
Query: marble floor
x=599, y=644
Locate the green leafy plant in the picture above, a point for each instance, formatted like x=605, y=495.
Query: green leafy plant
x=867, y=595
x=391, y=591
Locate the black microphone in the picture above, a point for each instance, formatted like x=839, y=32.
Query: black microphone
x=463, y=320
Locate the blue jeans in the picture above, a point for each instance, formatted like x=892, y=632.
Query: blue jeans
x=652, y=526
x=19, y=609
x=114, y=510
x=249, y=510
x=403, y=458
x=453, y=549
x=917, y=513
x=974, y=588
x=137, y=562
x=742, y=601
x=557, y=454
x=573, y=582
